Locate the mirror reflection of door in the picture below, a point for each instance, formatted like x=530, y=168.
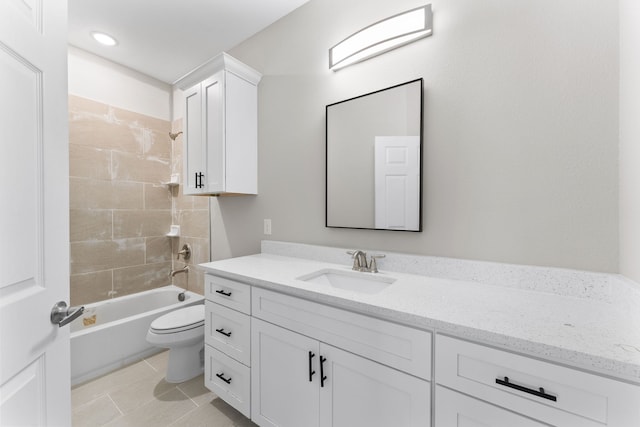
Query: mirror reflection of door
x=353, y=199
x=397, y=180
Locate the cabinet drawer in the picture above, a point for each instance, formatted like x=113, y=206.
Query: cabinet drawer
x=400, y=347
x=542, y=390
x=229, y=379
x=228, y=331
x=227, y=292
x=458, y=410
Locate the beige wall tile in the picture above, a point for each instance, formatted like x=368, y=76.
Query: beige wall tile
x=158, y=250
x=99, y=255
x=130, y=280
x=89, y=162
x=157, y=144
x=86, y=224
x=103, y=131
x=85, y=193
x=127, y=195
x=194, y=223
x=142, y=121
x=140, y=223
x=157, y=196
x=91, y=287
x=132, y=167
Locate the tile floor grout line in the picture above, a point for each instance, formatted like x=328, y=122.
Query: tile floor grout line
x=152, y=367
x=115, y=404
x=188, y=397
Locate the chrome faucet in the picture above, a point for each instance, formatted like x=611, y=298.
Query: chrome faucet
x=360, y=261
x=182, y=270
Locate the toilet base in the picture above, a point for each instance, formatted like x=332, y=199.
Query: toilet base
x=185, y=363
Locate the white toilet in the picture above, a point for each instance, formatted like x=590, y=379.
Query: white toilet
x=182, y=332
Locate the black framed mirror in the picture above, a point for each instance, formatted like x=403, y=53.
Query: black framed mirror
x=374, y=160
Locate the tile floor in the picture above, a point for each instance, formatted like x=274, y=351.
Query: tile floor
x=138, y=396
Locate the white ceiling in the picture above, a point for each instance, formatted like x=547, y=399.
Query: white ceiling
x=166, y=39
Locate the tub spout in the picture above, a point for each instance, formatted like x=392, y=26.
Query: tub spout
x=182, y=270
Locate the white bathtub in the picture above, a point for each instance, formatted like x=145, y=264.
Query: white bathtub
x=118, y=336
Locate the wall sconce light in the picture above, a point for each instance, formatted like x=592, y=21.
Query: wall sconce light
x=382, y=36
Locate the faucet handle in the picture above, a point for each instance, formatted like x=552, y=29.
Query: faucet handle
x=374, y=265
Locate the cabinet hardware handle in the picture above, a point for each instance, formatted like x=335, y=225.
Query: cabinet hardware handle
x=199, y=176
x=221, y=376
x=221, y=292
x=221, y=331
x=311, y=371
x=322, y=375
x=540, y=392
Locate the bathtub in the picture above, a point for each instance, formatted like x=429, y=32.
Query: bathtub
x=112, y=333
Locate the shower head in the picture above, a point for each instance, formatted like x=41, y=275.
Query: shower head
x=173, y=136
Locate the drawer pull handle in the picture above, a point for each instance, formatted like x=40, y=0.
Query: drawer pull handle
x=221, y=331
x=221, y=376
x=323, y=377
x=540, y=392
x=221, y=292
x=311, y=371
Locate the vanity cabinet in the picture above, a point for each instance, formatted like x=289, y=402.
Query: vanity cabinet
x=220, y=153
x=300, y=377
x=228, y=341
x=511, y=384
x=286, y=361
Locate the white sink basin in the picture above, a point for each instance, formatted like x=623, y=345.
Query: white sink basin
x=366, y=283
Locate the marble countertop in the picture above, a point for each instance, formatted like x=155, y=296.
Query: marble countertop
x=578, y=332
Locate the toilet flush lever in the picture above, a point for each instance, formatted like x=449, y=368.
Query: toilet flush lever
x=62, y=315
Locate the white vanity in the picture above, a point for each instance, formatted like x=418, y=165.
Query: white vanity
x=288, y=346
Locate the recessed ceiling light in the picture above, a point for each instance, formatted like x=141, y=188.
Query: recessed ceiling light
x=104, y=39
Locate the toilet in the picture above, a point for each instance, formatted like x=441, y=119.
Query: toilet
x=182, y=332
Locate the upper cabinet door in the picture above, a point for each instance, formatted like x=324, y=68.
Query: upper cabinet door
x=214, y=132
x=193, y=150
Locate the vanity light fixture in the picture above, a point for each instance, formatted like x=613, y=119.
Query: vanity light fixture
x=385, y=35
x=103, y=38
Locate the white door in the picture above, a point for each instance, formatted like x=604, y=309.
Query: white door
x=34, y=248
x=285, y=377
x=359, y=392
x=397, y=182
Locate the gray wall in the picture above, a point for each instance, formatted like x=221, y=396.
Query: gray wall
x=521, y=130
x=630, y=139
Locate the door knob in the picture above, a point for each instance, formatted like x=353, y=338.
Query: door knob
x=61, y=314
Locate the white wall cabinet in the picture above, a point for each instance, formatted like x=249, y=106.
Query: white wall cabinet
x=220, y=153
x=299, y=381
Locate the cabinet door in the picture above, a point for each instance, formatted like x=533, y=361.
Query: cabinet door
x=281, y=391
x=193, y=146
x=458, y=410
x=214, y=132
x=359, y=392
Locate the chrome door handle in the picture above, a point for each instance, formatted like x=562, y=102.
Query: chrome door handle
x=61, y=314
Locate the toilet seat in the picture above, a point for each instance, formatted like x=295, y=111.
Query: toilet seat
x=180, y=320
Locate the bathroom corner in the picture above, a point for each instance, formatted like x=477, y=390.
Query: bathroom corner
x=191, y=213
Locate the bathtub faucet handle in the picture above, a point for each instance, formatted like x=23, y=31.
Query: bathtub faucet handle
x=185, y=252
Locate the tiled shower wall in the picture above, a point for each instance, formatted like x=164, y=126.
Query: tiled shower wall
x=120, y=210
